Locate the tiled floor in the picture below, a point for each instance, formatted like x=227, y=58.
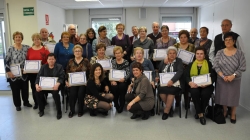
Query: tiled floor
x=27, y=125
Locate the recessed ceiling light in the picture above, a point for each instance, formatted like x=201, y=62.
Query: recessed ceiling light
x=85, y=0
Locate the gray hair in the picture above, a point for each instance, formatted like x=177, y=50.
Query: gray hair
x=228, y=20
x=172, y=48
x=135, y=27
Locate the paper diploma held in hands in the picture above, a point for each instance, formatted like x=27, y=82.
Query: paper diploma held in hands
x=185, y=56
x=32, y=66
x=166, y=77
x=146, y=53
x=148, y=74
x=200, y=80
x=159, y=54
x=109, y=51
x=77, y=78
x=51, y=47
x=106, y=64
x=116, y=75
x=47, y=83
x=16, y=70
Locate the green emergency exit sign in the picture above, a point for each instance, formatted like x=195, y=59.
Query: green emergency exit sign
x=28, y=11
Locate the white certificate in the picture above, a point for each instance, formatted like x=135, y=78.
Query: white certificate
x=51, y=47
x=106, y=63
x=146, y=53
x=159, y=54
x=32, y=66
x=47, y=83
x=166, y=77
x=186, y=56
x=16, y=70
x=204, y=79
x=116, y=75
x=148, y=74
x=109, y=51
x=77, y=78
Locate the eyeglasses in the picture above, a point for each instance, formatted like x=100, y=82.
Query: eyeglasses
x=83, y=38
x=77, y=51
x=72, y=29
x=230, y=39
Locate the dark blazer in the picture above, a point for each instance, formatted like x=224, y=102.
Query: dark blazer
x=177, y=66
x=211, y=71
x=131, y=39
x=58, y=72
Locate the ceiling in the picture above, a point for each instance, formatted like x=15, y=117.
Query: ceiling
x=72, y=4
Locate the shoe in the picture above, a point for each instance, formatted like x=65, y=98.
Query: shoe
x=35, y=106
x=165, y=116
x=177, y=104
x=203, y=120
x=134, y=116
x=152, y=112
x=28, y=105
x=80, y=114
x=233, y=121
x=120, y=110
x=92, y=112
x=41, y=113
x=59, y=115
x=196, y=116
x=171, y=112
x=18, y=108
x=105, y=113
x=145, y=115
x=71, y=114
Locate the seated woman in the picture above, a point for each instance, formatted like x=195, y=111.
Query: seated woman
x=77, y=64
x=50, y=70
x=97, y=88
x=141, y=100
x=167, y=93
x=200, y=94
x=118, y=88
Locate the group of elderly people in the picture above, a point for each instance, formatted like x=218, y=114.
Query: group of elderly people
x=80, y=54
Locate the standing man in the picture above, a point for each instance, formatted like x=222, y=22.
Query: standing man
x=45, y=37
x=156, y=34
x=193, y=36
x=135, y=34
x=74, y=39
x=218, y=42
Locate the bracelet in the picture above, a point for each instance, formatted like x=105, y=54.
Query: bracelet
x=222, y=76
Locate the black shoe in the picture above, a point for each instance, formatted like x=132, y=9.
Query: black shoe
x=41, y=113
x=80, y=114
x=203, y=120
x=152, y=112
x=233, y=121
x=196, y=116
x=71, y=114
x=165, y=116
x=171, y=112
x=145, y=115
x=59, y=115
x=35, y=106
x=28, y=105
x=92, y=112
x=105, y=113
x=177, y=104
x=18, y=108
x=134, y=116
x=120, y=110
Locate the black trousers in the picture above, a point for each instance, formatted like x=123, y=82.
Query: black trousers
x=119, y=92
x=77, y=93
x=40, y=99
x=32, y=79
x=200, y=97
x=135, y=108
x=19, y=86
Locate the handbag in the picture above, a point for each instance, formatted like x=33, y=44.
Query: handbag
x=218, y=115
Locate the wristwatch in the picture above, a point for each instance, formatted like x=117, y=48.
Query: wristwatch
x=234, y=74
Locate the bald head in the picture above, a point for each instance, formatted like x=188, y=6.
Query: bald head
x=193, y=33
x=72, y=29
x=155, y=27
x=226, y=25
x=44, y=33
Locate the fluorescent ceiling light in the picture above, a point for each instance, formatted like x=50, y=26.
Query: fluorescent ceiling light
x=85, y=0
x=114, y=19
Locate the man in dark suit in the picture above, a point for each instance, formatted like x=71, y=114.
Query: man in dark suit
x=135, y=34
x=156, y=33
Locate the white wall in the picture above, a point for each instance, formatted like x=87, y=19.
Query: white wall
x=235, y=10
x=56, y=18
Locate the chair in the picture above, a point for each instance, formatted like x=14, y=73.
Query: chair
x=212, y=103
x=66, y=99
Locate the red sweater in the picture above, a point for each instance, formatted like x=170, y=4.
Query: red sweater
x=37, y=54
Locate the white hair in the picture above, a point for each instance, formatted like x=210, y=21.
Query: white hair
x=172, y=48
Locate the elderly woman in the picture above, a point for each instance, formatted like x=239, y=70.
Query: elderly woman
x=77, y=64
x=122, y=40
x=87, y=51
x=100, y=51
x=200, y=94
x=102, y=31
x=36, y=52
x=118, y=88
x=91, y=35
x=144, y=42
x=97, y=88
x=184, y=36
x=146, y=64
x=204, y=41
x=229, y=64
x=16, y=54
x=141, y=100
x=167, y=93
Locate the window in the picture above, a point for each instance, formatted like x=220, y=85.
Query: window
x=176, y=24
x=109, y=23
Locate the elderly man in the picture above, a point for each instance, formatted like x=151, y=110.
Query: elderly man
x=193, y=36
x=50, y=70
x=135, y=34
x=45, y=37
x=218, y=42
x=156, y=34
x=74, y=39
